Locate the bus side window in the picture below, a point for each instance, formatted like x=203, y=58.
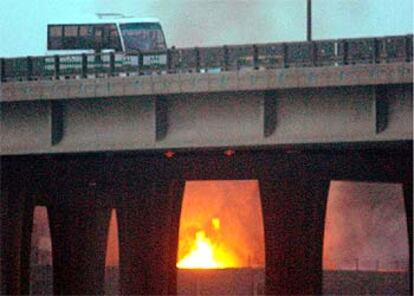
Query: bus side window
x=70, y=37
x=55, y=37
x=98, y=37
x=114, y=42
x=106, y=38
x=85, y=36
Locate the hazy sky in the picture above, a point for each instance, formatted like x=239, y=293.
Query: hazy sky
x=212, y=22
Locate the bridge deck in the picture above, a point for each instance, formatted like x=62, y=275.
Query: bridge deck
x=328, y=92
x=333, y=76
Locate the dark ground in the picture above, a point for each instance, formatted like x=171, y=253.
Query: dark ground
x=248, y=281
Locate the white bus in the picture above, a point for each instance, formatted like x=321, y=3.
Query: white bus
x=105, y=32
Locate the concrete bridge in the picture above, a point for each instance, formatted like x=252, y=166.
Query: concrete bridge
x=84, y=145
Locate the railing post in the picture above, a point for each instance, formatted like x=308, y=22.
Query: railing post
x=169, y=60
x=375, y=51
x=345, y=49
x=197, y=59
x=29, y=73
x=226, y=58
x=140, y=63
x=111, y=64
x=285, y=55
x=314, y=54
x=173, y=60
x=255, y=57
x=408, y=42
x=57, y=66
x=84, y=65
x=2, y=70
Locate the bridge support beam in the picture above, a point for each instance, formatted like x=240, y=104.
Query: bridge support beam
x=408, y=198
x=12, y=212
x=293, y=211
x=79, y=235
x=16, y=219
x=26, y=246
x=148, y=228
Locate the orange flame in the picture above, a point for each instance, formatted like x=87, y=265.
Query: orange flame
x=221, y=223
x=205, y=253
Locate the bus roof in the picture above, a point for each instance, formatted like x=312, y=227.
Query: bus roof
x=103, y=18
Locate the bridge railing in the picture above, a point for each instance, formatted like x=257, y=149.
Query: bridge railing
x=211, y=59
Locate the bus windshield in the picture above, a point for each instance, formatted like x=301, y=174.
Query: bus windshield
x=143, y=36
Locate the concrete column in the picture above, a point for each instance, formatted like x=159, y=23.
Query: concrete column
x=294, y=214
x=408, y=199
x=15, y=233
x=176, y=193
x=26, y=246
x=148, y=228
x=19, y=186
x=15, y=222
x=10, y=247
x=79, y=236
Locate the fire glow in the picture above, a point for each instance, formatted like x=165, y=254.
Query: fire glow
x=221, y=226
x=207, y=254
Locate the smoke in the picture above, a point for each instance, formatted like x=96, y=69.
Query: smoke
x=364, y=222
x=365, y=226
x=189, y=23
x=237, y=205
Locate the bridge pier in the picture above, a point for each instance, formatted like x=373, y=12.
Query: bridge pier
x=148, y=228
x=25, y=254
x=16, y=219
x=78, y=218
x=408, y=200
x=294, y=221
x=79, y=236
x=12, y=215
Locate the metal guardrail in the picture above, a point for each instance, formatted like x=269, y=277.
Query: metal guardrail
x=211, y=59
